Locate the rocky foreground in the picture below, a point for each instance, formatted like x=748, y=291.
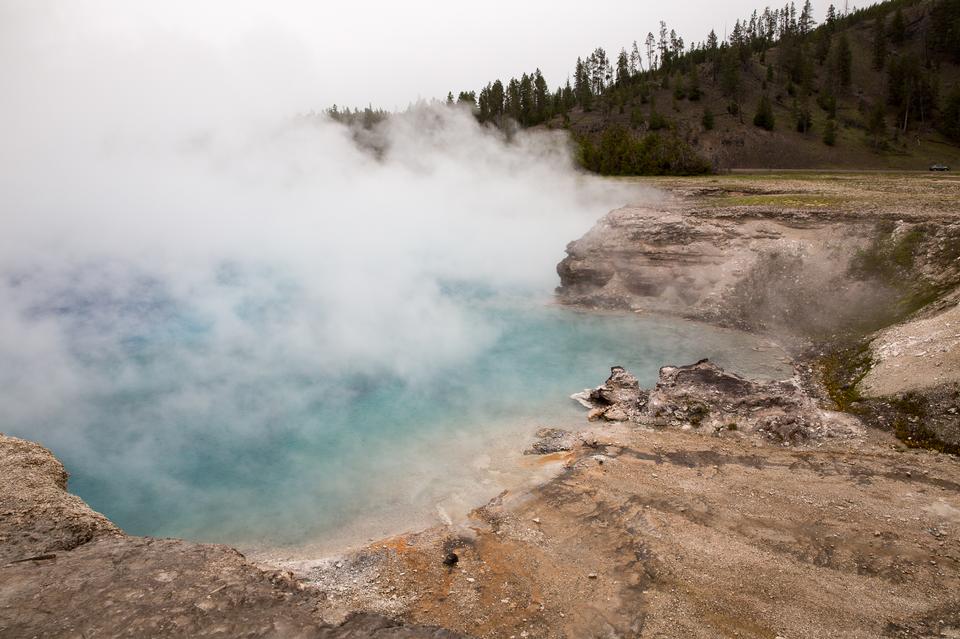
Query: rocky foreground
x=708, y=506
x=66, y=571
x=825, y=505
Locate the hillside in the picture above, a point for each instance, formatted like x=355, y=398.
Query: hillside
x=876, y=88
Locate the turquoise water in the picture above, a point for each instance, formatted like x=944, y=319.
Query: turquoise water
x=182, y=438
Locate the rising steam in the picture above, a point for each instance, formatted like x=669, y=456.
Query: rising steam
x=182, y=254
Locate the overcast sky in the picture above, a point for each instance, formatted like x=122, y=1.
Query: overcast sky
x=316, y=53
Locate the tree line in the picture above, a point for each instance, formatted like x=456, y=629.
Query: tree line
x=812, y=65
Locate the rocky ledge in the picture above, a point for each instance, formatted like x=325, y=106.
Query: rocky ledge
x=788, y=271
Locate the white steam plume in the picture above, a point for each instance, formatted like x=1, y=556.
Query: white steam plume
x=170, y=229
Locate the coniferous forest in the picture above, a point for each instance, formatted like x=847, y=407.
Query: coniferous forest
x=856, y=88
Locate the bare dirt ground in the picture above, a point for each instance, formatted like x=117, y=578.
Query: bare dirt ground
x=657, y=533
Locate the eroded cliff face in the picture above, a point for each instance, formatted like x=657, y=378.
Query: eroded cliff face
x=67, y=571
x=785, y=271
x=726, y=269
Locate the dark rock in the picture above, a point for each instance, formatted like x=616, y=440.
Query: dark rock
x=703, y=395
x=618, y=399
x=451, y=559
x=551, y=440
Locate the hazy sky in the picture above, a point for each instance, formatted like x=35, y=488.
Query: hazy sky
x=315, y=53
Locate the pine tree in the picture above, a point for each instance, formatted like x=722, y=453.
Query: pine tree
x=636, y=61
x=806, y=21
x=693, y=84
x=511, y=100
x=877, y=126
x=712, y=42
x=830, y=133
x=525, y=100
x=802, y=115
x=949, y=122
x=623, y=68
x=663, y=45
x=879, y=43
x=651, y=52
x=541, y=98
x=843, y=61
x=497, y=98
x=707, y=119
x=898, y=27
x=581, y=86
x=730, y=79
x=831, y=20
x=764, y=116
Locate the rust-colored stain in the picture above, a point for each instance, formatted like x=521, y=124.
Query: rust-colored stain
x=398, y=544
x=562, y=456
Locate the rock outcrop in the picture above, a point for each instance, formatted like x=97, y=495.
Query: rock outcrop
x=798, y=272
x=705, y=397
x=721, y=268
x=618, y=399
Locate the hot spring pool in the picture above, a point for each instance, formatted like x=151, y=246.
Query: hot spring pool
x=174, y=437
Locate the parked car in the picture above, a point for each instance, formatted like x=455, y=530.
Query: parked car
x=939, y=167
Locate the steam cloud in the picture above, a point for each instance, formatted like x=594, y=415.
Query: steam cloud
x=170, y=229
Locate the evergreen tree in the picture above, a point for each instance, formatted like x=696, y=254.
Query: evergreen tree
x=879, y=43
x=949, y=122
x=843, y=61
x=764, y=116
x=511, y=100
x=806, y=22
x=802, y=116
x=898, y=27
x=830, y=133
x=525, y=100
x=581, y=86
x=712, y=43
x=945, y=28
x=663, y=46
x=497, y=98
x=651, y=52
x=693, y=84
x=541, y=98
x=636, y=60
x=730, y=78
x=623, y=68
x=707, y=119
x=831, y=20
x=569, y=96
x=822, y=46
x=876, y=125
